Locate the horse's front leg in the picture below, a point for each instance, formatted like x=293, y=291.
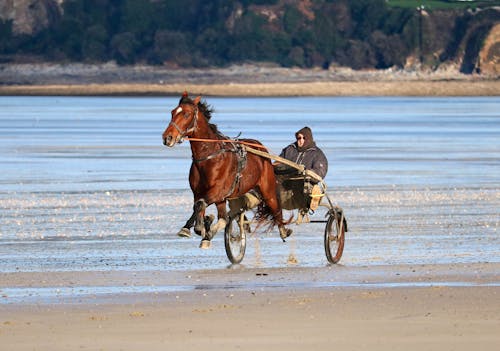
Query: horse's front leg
x=199, y=210
x=186, y=229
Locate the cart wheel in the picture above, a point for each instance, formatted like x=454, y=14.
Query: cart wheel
x=334, y=236
x=235, y=241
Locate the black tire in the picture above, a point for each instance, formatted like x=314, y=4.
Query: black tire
x=334, y=237
x=235, y=241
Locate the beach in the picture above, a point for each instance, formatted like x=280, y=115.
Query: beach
x=237, y=80
x=431, y=307
x=418, y=88
x=91, y=201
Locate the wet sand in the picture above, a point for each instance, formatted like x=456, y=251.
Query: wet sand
x=430, y=307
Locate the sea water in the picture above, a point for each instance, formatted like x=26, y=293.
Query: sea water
x=86, y=184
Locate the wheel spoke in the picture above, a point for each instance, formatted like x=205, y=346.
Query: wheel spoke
x=334, y=238
x=234, y=242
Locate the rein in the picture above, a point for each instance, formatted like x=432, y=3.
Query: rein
x=298, y=167
x=226, y=141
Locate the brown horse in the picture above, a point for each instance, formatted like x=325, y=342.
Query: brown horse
x=221, y=169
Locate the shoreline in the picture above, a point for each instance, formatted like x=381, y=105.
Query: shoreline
x=239, y=276
x=368, y=88
x=77, y=79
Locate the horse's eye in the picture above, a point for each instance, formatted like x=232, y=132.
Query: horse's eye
x=186, y=115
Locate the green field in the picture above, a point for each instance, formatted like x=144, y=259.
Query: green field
x=436, y=4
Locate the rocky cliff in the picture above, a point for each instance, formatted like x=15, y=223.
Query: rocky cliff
x=29, y=16
x=489, y=57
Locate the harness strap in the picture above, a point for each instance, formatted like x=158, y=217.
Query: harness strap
x=211, y=156
x=176, y=127
x=241, y=157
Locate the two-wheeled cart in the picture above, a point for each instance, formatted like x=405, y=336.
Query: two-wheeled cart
x=301, y=190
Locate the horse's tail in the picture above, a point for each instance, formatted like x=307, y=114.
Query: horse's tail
x=265, y=216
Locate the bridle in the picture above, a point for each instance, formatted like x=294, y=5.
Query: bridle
x=188, y=130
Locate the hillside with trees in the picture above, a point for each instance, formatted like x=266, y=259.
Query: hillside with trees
x=361, y=34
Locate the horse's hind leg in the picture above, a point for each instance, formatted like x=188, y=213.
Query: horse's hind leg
x=270, y=198
x=278, y=217
x=284, y=232
x=222, y=219
x=242, y=204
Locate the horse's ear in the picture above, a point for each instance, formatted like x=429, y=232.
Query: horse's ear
x=197, y=100
x=184, y=97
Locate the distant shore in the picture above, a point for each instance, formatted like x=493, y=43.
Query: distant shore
x=244, y=80
x=419, y=88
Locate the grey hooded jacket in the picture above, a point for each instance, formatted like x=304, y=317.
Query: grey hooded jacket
x=311, y=156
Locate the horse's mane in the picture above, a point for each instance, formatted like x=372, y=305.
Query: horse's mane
x=204, y=108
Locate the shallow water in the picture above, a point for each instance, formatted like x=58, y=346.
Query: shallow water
x=86, y=294
x=86, y=183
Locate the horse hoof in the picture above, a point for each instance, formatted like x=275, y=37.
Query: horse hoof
x=205, y=244
x=184, y=233
x=285, y=233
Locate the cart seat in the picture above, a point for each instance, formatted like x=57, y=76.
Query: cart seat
x=298, y=193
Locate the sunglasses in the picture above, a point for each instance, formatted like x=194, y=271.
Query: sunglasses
x=300, y=138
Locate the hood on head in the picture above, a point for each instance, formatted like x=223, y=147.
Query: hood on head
x=307, y=133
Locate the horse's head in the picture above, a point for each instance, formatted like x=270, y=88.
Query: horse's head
x=183, y=122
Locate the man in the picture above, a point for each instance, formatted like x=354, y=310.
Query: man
x=305, y=152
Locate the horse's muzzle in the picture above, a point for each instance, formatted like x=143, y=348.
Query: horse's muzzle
x=168, y=141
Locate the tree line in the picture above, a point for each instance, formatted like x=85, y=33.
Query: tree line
x=199, y=33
